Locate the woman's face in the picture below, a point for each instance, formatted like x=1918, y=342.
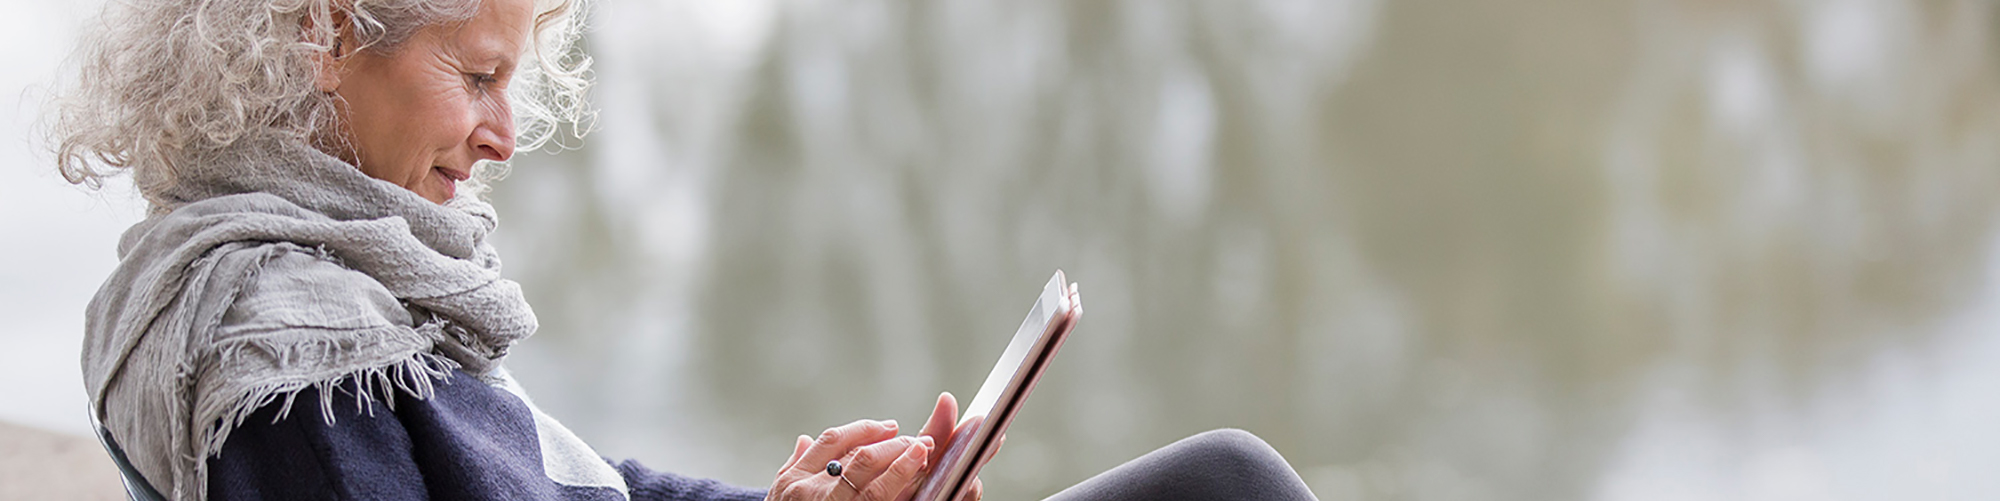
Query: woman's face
x=421, y=116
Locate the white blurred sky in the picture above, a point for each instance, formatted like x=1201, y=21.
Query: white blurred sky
x=59, y=239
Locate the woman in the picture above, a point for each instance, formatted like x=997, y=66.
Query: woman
x=311, y=309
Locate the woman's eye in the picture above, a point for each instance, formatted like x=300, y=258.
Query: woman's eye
x=480, y=80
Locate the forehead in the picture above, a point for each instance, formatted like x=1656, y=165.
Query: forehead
x=500, y=29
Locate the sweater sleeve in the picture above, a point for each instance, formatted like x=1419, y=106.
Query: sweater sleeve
x=649, y=485
x=469, y=441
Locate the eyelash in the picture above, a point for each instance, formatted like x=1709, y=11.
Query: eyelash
x=481, y=80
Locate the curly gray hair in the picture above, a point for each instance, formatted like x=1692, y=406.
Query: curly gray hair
x=165, y=84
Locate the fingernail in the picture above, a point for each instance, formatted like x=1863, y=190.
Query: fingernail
x=928, y=441
x=890, y=424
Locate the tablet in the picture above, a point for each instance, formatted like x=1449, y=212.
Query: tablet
x=985, y=421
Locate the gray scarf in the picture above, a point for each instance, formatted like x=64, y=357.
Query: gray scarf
x=169, y=383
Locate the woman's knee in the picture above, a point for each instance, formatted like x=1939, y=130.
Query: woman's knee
x=1241, y=460
x=1214, y=465
x=1230, y=446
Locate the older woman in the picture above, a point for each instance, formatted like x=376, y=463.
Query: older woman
x=311, y=309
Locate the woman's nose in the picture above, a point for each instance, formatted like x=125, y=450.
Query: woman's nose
x=495, y=145
x=494, y=138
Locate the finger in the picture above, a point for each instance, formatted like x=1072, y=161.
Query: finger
x=872, y=461
x=868, y=463
x=900, y=474
x=836, y=441
x=839, y=488
x=944, y=416
x=798, y=449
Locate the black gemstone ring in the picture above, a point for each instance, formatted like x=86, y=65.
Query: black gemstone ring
x=833, y=468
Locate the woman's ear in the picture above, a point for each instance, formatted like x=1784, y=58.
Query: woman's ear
x=327, y=77
x=328, y=65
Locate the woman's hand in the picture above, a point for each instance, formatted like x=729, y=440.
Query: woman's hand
x=876, y=465
x=940, y=427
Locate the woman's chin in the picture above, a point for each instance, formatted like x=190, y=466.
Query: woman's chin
x=437, y=189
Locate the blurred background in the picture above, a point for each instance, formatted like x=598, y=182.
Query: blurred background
x=1428, y=249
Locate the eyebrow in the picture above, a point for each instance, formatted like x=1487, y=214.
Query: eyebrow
x=478, y=54
x=476, y=51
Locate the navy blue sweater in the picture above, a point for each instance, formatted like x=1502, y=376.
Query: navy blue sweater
x=470, y=441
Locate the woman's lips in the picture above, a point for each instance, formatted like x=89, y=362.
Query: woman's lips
x=449, y=179
x=453, y=175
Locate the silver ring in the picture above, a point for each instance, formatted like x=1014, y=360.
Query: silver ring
x=834, y=469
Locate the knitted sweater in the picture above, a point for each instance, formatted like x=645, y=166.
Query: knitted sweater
x=471, y=440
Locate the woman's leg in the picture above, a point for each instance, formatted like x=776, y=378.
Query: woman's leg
x=1216, y=465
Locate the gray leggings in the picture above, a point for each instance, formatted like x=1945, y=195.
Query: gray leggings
x=1215, y=465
